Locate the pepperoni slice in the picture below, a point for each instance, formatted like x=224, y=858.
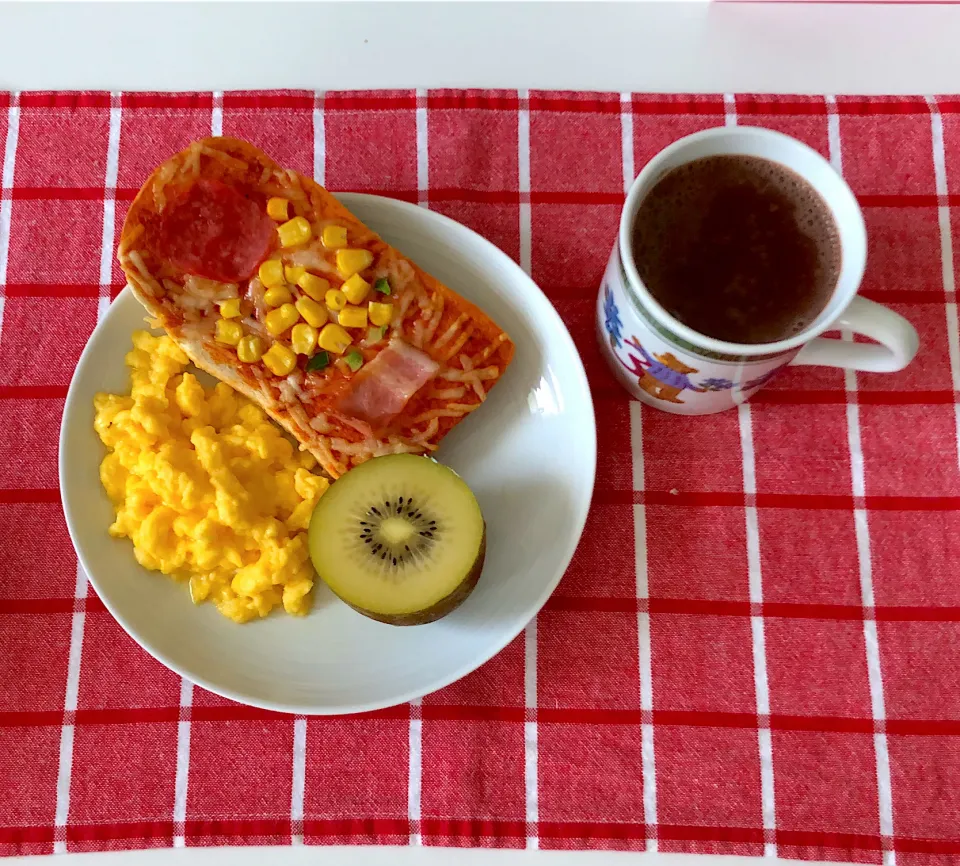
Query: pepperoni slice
x=213, y=231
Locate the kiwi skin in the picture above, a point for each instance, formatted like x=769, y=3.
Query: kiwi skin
x=441, y=608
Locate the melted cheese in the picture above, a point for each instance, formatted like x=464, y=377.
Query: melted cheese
x=490, y=349
x=149, y=283
x=454, y=410
x=428, y=432
x=434, y=321
x=450, y=333
x=230, y=161
x=312, y=258
x=448, y=393
x=320, y=423
x=458, y=344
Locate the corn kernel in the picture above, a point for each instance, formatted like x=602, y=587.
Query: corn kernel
x=335, y=300
x=353, y=317
x=356, y=289
x=350, y=262
x=230, y=308
x=277, y=208
x=313, y=286
x=250, y=349
x=278, y=296
x=293, y=273
x=280, y=319
x=334, y=339
x=380, y=314
x=228, y=333
x=271, y=273
x=334, y=237
x=312, y=312
x=295, y=231
x=303, y=339
x=279, y=359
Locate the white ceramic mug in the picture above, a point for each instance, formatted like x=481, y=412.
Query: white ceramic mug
x=667, y=364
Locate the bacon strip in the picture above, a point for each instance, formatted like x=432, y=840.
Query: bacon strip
x=382, y=389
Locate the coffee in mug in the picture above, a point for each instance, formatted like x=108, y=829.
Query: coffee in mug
x=738, y=248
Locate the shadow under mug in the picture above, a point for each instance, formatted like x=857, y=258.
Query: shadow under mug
x=667, y=364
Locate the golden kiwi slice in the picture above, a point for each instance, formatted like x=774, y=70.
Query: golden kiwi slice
x=399, y=538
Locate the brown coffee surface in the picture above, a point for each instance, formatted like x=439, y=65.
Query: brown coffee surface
x=738, y=248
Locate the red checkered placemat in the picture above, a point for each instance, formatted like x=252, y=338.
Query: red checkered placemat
x=756, y=649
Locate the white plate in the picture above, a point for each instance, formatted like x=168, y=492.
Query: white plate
x=529, y=454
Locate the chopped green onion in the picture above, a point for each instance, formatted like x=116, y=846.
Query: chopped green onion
x=318, y=361
x=354, y=360
x=382, y=286
x=375, y=335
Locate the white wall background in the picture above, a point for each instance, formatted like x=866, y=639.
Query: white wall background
x=784, y=47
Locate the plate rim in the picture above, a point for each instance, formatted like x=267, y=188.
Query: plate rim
x=495, y=647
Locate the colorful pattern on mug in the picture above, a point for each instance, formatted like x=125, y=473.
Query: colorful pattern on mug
x=661, y=369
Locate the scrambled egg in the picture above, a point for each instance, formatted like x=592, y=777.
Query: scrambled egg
x=206, y=487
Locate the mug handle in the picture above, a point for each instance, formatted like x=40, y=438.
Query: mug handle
x=897, y=337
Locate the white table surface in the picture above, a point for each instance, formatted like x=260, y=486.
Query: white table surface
x=690, y=46
x=679, y=46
